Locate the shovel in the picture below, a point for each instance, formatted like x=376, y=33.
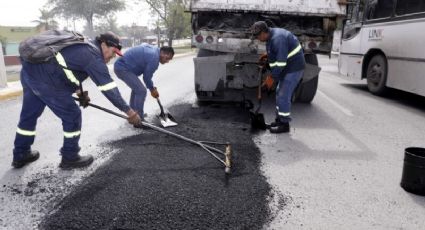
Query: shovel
x=165, y=118
x=257, y=119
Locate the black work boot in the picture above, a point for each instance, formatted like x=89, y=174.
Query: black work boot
x=79, y=162
x=31, y=156
x=275, y=122
x=280, y=127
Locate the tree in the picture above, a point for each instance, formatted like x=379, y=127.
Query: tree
x=86, y=9
x=46, y=21
x=172, y=16
x=109, y=25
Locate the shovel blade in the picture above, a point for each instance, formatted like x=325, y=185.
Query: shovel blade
x=257, y=121
x=167, y=120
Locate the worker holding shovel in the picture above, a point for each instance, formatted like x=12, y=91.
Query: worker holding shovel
x=141, y=60
x=51, y=83
x=286, y=59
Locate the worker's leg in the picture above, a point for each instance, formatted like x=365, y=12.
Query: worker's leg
x=138, y=90
x=284, y=92
x=32, y=108
x=64, y=106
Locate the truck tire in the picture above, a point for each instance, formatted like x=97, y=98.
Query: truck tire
x=306, y=91
x=376, y=75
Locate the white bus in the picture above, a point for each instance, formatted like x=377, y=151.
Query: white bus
x=383, y=42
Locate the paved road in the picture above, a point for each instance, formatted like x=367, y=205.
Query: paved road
x=339, y=168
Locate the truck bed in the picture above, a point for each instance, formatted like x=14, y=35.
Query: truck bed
x=328, y=8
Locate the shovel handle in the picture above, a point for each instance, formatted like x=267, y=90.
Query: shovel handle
x=260, y=83
x=160, y=106
x=105, y=109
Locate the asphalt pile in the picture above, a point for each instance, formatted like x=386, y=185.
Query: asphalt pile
x=156, y=181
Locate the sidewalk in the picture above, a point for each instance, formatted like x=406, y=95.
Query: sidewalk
x=14, y=88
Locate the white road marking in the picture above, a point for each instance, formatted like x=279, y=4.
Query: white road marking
x=338, y=106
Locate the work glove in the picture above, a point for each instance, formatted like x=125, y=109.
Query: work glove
x=154, y=93
x=83, y=98
x=268, y=82
x=263, y=60
x=133, y=117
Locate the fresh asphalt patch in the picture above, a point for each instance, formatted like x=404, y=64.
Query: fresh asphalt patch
x=156, y=181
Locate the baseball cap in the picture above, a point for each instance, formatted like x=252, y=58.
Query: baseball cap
x=257, y=28
x=113, y=40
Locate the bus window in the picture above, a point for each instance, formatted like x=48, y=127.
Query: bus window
x=410, y=6
x=379, y=9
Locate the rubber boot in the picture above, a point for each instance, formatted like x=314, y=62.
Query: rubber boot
x=31, y=156
x=79, y=162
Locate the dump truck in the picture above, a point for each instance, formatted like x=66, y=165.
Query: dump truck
x=226, y=63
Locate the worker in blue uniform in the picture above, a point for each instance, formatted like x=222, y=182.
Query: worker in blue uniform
x=52, y=84
x=285, y=57
x=141, y=60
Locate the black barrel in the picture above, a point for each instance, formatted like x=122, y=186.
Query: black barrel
x=413, y=178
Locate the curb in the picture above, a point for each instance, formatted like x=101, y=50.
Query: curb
x=10, y=93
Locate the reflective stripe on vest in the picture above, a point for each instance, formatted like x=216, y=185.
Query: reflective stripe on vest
x=68, y=72
x=71, y=134
x=25, y=132
x=107, y=87
x=292, y=53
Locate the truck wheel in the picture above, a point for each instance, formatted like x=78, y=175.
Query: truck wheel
x=306, y=91
x=376, y=75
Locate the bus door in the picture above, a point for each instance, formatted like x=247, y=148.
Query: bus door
x=350, y=58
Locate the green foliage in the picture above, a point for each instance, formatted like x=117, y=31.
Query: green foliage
x=86, y=9
x=46, y=21
x=109, y=25
x=172, y=17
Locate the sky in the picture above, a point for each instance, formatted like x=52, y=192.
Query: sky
x=23, y=12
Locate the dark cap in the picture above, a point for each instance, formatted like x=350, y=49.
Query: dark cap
x=259, y=27
x=111, y=40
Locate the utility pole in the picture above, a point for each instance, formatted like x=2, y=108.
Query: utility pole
x=3, y=78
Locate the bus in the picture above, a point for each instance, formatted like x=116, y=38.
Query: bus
x=382, y=43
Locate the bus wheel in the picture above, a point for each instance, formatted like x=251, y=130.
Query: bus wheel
x=377, y=75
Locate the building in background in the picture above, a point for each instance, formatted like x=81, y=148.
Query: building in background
x=10, y=37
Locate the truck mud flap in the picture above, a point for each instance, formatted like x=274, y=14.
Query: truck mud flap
x=210, y=76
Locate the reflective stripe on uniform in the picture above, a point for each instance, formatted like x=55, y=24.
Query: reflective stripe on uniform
x=279, y=64
x=71, y=134
x=25, y=132
x=68, y=72
x=107, y=87
x=295, y=51
x=284, y=114
x=292, y=53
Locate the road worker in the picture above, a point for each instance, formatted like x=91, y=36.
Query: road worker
x=52, y=84
x=286, y=59
x=141, y=60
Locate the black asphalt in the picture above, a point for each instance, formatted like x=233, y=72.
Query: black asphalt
x=159, y=182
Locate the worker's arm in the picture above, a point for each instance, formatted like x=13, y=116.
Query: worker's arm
x=98, y=72
x=278, y=55
x=151, y=67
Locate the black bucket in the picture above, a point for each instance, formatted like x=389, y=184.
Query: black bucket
x=413, y=178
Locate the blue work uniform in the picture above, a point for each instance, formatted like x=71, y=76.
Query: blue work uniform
x=286, y=60
x=137, y=61
x=48, y=84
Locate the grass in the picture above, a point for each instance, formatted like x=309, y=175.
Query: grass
x=183, y=49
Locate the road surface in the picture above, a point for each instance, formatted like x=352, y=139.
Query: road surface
x=340, y=167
